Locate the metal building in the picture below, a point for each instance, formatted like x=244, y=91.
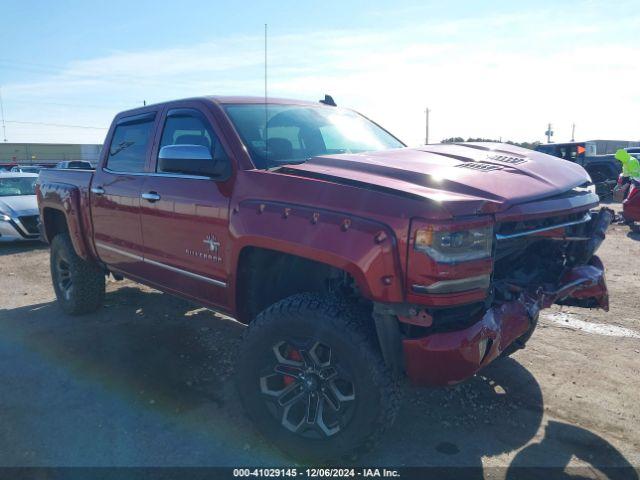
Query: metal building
x=50, y=153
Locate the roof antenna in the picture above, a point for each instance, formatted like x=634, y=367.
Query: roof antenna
x=328, y=100
x=266, y=114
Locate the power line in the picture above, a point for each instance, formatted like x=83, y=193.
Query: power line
x=65, y=125
x=95, y=74
x=77, y=105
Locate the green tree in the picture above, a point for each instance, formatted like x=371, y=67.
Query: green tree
x=529, y=145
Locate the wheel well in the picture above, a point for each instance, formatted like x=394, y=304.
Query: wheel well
x=266, y=276
x=54, y=222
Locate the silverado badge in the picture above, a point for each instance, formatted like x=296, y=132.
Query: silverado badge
x=212, y=251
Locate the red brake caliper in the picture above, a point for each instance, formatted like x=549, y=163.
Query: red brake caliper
x=295, y=356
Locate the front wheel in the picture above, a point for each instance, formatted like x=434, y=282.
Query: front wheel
x=79, y=285
x=311, y=377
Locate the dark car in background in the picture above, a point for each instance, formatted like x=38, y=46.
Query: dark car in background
x=634, y=151
x=75, y=164
x=596, y=156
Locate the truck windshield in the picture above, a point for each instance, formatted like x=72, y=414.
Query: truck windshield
x=281, y=134
x=17, y=186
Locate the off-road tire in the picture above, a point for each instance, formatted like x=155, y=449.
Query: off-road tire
x=82, y=288
x=520, y=342
x=347, y=331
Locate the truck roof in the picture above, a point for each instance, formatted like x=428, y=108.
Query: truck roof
x=226, y=100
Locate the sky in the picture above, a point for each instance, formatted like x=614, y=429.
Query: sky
x=491, y=69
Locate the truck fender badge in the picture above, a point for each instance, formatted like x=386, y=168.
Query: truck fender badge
x=213, y=243
x=212, y=253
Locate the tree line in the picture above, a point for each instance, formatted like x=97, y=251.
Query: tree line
x=529, y=145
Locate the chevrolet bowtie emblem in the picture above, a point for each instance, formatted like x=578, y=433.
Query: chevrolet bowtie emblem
x=212, y=242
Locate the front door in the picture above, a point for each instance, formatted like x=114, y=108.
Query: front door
x=185, y=218
x=115, y=194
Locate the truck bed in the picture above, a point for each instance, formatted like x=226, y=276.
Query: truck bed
x=70, y=176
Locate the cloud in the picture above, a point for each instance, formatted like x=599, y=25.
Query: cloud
x=493, y=76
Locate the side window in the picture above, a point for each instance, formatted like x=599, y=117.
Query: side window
x=129, y=146
x=191, y=128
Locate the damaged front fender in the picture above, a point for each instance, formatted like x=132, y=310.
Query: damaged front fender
x=586, y=286
x=453, y=356
x=581, y=286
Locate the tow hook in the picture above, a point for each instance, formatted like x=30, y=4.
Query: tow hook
x=420, y=318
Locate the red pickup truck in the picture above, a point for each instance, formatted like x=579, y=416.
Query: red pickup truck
x=353, y=259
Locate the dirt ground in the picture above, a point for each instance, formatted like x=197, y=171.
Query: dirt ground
x=146, y=382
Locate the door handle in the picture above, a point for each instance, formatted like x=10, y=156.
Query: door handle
x=97, y=190
x=151, y=196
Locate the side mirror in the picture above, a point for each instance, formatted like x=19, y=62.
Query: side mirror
x=189, y=160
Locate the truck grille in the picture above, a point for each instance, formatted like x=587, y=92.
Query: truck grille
x=522, y=258
x=511, y=228
x=30, y=223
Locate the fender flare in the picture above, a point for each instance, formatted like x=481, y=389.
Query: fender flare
x=365, y=249
x=67, y=199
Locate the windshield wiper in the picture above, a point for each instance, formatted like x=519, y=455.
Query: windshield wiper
x=282, y=163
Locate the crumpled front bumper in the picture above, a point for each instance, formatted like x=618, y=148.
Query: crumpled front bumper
x=451, y=357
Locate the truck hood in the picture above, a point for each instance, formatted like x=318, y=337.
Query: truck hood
x=467, y=178
x=19, y=205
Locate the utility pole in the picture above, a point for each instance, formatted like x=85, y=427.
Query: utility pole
x=4, y=127
x=426, y=130
x=573, y=132
x=549, y=133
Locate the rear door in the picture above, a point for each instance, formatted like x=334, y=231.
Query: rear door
x=185, y=218
x=115, y=193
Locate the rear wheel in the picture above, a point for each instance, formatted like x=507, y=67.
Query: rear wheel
x=311, y=377
x=79, y=285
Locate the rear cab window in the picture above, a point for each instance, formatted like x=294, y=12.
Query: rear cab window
x=130, y=143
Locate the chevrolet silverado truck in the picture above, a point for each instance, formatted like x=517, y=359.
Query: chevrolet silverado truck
x=352, y=259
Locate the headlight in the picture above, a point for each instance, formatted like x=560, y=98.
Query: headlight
x=455, y=246
x=4, y=217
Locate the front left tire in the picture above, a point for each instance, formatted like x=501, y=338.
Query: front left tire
x=311, y=377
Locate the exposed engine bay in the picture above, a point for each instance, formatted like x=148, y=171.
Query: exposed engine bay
x=554, y=266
